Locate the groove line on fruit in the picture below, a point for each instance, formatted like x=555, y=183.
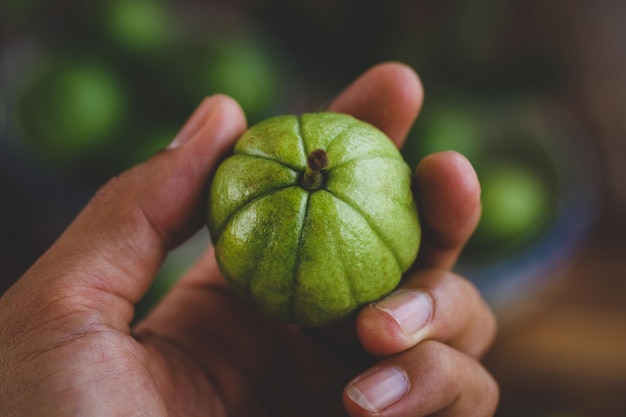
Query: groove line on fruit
x=271, y=159
x=304, y=154
x=345, y=130
x=299, y=246
x=248, y=203
x=372, y=224
x=347, y=279
x=371, y=158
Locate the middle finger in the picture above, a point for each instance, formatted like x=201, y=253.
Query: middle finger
x=431, y=304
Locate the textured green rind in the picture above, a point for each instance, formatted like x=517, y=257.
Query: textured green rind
x=342, y=263
x=239, y=180
x=313, y=256
x=278, y=138
x=345, y=138
x=257, y=250
x=392, y=215
x=319, y=130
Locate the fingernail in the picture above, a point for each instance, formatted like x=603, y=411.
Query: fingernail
x=412, y=310
x=193, y=124
x=378, y=390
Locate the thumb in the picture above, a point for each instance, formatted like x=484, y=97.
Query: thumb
x=107, y=258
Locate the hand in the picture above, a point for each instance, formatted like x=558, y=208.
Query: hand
x=67, y=347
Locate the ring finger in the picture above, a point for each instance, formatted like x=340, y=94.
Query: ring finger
x=431, y=379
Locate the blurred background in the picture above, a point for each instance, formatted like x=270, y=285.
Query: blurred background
x=532, y=92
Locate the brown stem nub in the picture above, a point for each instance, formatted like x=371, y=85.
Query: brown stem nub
x=313, y=178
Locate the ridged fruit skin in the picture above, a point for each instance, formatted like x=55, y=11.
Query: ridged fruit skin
x=313, y=256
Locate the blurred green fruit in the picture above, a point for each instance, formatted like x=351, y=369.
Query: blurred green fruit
x=450, y=124
x=138, y=25
x=72, y=109
x=240, y=67
x=313, y=217
x=452, y=129
x=516, y=203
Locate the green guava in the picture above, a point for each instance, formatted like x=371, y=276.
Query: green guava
x=313, y=217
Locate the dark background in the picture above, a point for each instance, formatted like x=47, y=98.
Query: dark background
x=535, y=83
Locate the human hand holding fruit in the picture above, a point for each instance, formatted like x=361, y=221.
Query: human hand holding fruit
x=313, y=217
x=68, y=348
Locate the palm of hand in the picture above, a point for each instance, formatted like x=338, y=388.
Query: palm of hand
x=224, y=371
x=253, y=366
x=165, y=369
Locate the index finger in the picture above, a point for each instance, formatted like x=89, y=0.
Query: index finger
x=389, y=96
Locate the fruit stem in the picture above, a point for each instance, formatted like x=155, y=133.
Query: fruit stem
x=313, y=178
